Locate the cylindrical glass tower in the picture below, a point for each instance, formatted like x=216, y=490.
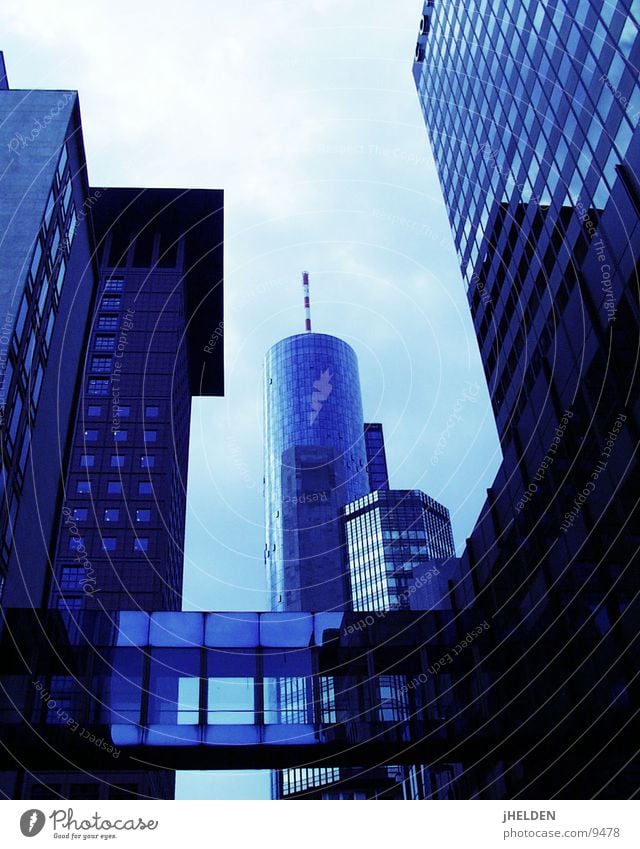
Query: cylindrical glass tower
x=315, y=458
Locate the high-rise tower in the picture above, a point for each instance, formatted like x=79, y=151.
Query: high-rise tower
x=532, y=114
x=315, y=462
x=109, y=300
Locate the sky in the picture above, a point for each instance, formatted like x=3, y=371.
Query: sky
x=306, y=115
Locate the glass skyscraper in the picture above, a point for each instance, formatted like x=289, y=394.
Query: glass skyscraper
x=315, y=462
x=532, y=114
x=389, y=534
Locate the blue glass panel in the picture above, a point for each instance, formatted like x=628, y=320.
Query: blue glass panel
x=171, y=698
x=132, y=628
x=326, y=622
x=281, y=664
x=125, y=686
x=286, y=629
x=232, y=735
x=176, y=629
x=231, y=629
x=173, y=735
x=231, y=701
x=293, y=735
x=231, y=663
x=126, y=735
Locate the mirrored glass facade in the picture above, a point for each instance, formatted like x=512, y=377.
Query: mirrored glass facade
x=313, y=421
x=526, y=103
x=389, y=536
x=532, y=112
x=376, y=456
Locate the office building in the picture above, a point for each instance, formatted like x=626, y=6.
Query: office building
x=531, y=111
x=315, y=462
x=48, y=280
x=160, y=271
x=390, y=535
x=110, y=300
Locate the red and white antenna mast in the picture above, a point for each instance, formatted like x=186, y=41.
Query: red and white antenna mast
x=307, y=304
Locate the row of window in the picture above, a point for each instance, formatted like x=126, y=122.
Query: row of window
x=109, y=544
x=117, y=461
x=110, y=514
x=83, y=487
x=91, y=435
x=151, y=411
x=33, y=331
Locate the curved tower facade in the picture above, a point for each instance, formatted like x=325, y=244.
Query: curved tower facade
x=315, y=462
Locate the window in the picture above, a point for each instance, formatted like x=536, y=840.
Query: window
x=37, y=385
x=108, y=543
x=72, y=577
x=152, y=412
x=44, y=291
x=112, y=514
x=120, y=435
x=51, y=202
x=72, y=228
x=123, y=412
x=35, y=262
x=63, y=162
x=150, y=435
x=145, y=488
x=111, y=303
x=15, y=417
x=141, y=544
x=83, y=487
x=55, y=243
x=114, y=488
x=230, y=701
x=28, y=357
x=67, y=197
x=105, y=343
x=76, y=543
x=94, y=411
x=49, y=331
x=70, y=603
x=117, y=461
x=147, y=461
x=188, y=701
x=107, y=322
x=114, y=284
x=91, y=436
x=143, y=515
x=98, y=386
x=87, y=460
x=101, y=364
x=80, y=514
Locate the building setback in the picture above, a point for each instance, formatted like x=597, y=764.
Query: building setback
x=122, y=531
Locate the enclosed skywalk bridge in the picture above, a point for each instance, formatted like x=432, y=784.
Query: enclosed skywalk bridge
x=195, y=691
